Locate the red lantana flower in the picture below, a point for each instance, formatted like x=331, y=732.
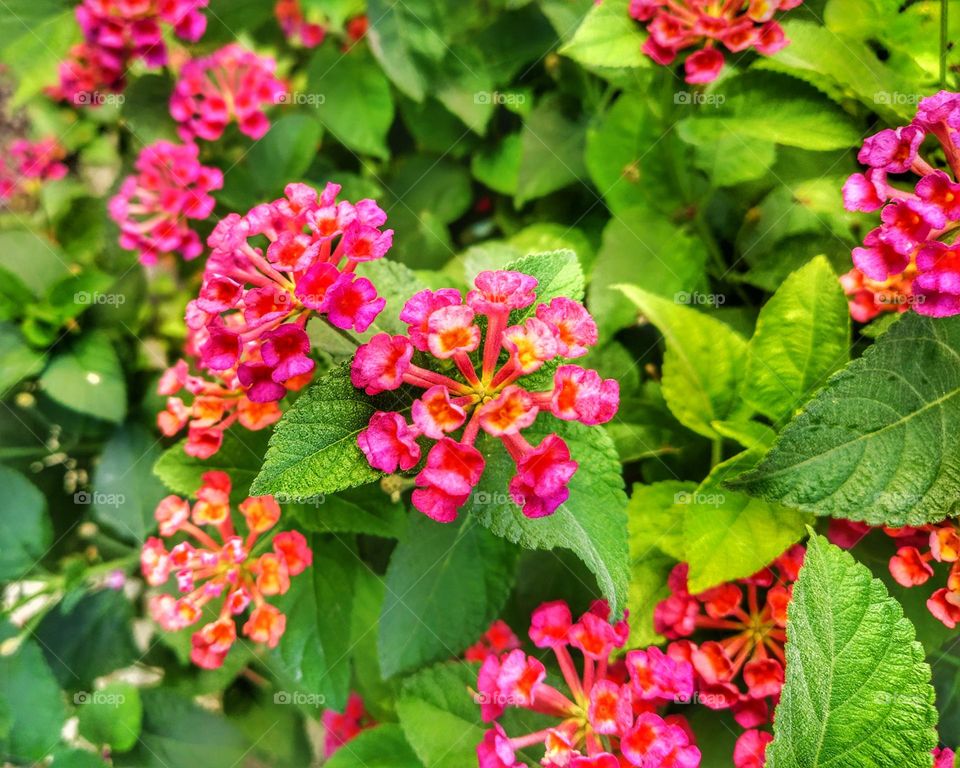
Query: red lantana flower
x=610, y=713
x=675, y=25
x=295, y=27
x=340, y=728
x=254, y=304
x=450, y=333
x=733, y=635
x=212, y=561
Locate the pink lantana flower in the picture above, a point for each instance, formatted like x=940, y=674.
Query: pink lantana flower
x=486, y=359
x=675, y=25
x=231, y=84
x=295, y=27
x=254, y=303
x=118, y=33
x=911, y=259
x=154, y=207
x=743, y=669
x=498, y=639
x=25, y=165
x=339, y=728
x=213, y=563
x=610, y=711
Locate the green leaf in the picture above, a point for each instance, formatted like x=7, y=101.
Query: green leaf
x=126, y=492
x=393, y=34
x=34, y=259
x=87, y=638
x=728, y=535
x=362, y=510
x=357, y=108
x=802, y=336
x=315, y=653
x=499, y=166
x=87, y=378
x=558, y=273
x=551, y=152
x=25, y=531
x=380, y=747
x=781, y=109
x=314, y=446
x=178, y=732
x=445, y=584
x=111, y=716
x=240, y=456
x=18, y=360
x=728, y=158
x=655, y=525
x=33, y=703
x=640, y=241
x=878, y=442
x=608, y=37
x=283, y=155
x=591, y=523
x=439, y=717
x=703, y=364
x=857, y=692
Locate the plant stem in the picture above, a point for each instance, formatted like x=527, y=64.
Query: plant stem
x=716, y=452
x=944, y=41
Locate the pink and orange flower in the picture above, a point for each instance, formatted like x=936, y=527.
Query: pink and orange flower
x=212, y=561
x=254, y=304
x=610, y=712
x=154, y=207
x=457, y=335
x=675, y=25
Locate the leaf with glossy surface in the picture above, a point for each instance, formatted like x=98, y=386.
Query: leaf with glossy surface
x=857, y=691
x=703, y=364
x=608, y=37
x=87, y=378
x=802, y=336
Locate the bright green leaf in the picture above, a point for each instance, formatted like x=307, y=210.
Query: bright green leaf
x=608, y=37
x=111, y=716
x=857, y=693
x=380, y=747
x=88, y=378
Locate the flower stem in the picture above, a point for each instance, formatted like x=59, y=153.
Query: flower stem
x=944, y=42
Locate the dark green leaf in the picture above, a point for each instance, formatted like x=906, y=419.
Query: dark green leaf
x=25, y=530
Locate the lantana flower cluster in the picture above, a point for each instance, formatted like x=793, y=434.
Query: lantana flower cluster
x=911, y=259
x=918, y=548
x=118, y=32
x=213, y=561
x=295, y=26
x=231, y=84
x=208, y=404
x=734, y=636
x=270, y=271
x=26, y=163
x=610, y=711
x=498, y=638
x=155, y=205
x=446, y=332
x=675, y=25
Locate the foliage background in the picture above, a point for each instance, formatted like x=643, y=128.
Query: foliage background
x=487, y=130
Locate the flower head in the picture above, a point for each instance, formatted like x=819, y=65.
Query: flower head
x=25, y=164
x=295, y=27
x=740, y=663
x=602, y=719
x=462, y=336
x=909, y=260
x=341, y=727
x=675, y=25
x=118, y=33
x=254, y=304
x=231, y=84
x=154, y=207
x=214, y=564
